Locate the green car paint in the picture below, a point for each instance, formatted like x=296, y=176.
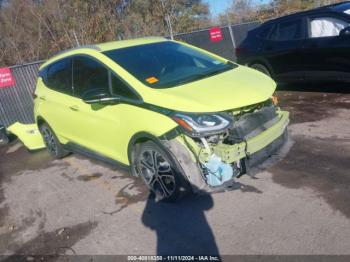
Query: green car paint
x=109, y=129
x=229, y=90
x=203, y=95
x=28, y=134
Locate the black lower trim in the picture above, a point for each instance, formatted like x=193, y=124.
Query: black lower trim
x=260, y=156
x=97, y=156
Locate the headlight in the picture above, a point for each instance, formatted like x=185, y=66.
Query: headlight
x=203, y=124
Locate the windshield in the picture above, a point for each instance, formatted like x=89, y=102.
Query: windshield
x=167, y=64
x=343, y=7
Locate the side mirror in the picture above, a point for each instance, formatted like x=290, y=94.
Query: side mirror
x=99, y=95
x=345, y=31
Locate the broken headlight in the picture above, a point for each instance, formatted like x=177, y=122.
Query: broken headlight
x=199, y=125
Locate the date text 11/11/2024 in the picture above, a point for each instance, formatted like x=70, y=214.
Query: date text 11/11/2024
x=174, y=258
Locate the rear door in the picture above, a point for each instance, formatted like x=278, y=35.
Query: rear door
x=325, y=53
x=250, y=50
x=93, y=125
x=282, y=48
x=55, y=100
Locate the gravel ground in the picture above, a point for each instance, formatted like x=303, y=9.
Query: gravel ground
x=298, y=203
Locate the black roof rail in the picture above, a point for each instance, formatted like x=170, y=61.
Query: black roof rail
x=303, y=12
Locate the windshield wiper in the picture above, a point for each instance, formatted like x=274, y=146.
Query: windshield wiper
x=203, y=75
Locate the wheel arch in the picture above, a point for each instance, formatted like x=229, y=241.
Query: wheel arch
x=40, y=120
x=140, y=137
x=189, y=169
x=263, y=62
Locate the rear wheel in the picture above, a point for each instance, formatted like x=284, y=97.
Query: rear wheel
x=159, y=171
x=4, y=140
x=261, y=68
x=52, y=143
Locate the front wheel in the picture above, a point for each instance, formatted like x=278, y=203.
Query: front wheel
x=159, y=171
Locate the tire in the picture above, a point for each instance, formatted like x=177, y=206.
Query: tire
x=261, y=68
x=4, y=139
x=160, y=171
x=52, y=143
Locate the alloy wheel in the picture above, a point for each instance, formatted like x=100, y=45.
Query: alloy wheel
x=157, y=173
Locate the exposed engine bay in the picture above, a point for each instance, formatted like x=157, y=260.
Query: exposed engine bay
x=216, y=153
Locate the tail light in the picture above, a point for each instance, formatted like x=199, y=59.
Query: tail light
x=239, y=50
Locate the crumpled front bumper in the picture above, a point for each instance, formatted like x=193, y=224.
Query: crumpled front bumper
x=233, y=153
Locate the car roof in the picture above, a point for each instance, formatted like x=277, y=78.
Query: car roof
x=338, y=7
x=127, y=43
x=105, y=47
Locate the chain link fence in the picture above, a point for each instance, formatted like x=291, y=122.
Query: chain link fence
x=16, y=103
x=232, y=38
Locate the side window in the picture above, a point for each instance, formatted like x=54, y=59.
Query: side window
x=326, y=26
x=88, y=74
x=265, y=32
x=289, y=30
x=119, y=88
x=59, y=76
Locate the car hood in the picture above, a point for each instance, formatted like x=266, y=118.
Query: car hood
x=235, y=88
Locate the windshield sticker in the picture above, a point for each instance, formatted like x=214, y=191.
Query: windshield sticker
x=152, y=80
x=216, y=62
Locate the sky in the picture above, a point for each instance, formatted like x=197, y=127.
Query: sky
x=219, y=6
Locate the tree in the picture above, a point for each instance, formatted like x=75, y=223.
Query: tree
x=149, y=17
x=36, y=29
x=239, y=11
x=245, y=10
x=285, y=7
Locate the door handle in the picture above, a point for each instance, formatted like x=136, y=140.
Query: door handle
x=42, y=98
x=74, y=108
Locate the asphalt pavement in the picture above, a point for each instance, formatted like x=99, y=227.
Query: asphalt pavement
x=297, y=203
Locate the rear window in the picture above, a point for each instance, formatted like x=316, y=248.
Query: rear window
x=343, y=7
x=167, y=64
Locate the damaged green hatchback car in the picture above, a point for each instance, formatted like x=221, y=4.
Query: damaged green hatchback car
x=177, y=116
